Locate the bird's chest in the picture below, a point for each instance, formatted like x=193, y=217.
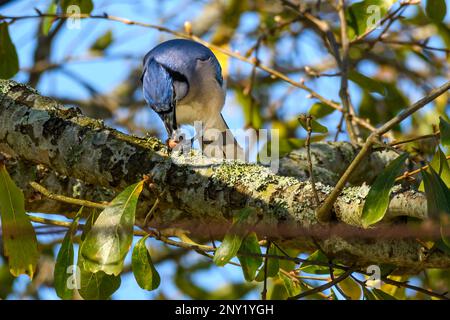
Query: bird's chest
x=189, y=113
x=203, y=103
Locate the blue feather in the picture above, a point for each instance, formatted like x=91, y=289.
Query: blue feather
x=157, y=86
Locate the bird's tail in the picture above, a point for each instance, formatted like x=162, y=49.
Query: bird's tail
x=219, y=142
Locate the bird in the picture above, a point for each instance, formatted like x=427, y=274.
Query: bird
x=182, y=82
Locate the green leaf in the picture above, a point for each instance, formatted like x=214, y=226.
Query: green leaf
x=64, y=261
x=368, y=295
x=143, y=269
x=293, y=288
x=437, y=193
x=103, y=42
x=98, y=285
x=364, y=15
x=110, y=238
x=48, y=21
x=19, y=238
x=315, y=126
x=377, y=201
x=289, y=265
x=227, y=249
x=438, y=202
x=90, y=220
x=9, y=62
x=440, y=164
x=381, y=295
x=317, y=256
x=233, y=239
x=367, y=83
x=86, y=6
x=436, y=10
x=444, y=128
x=273, y=265
x=251, y=109
x=250, y=264
x=319, y=110
x=351, y=288
x=6, y=280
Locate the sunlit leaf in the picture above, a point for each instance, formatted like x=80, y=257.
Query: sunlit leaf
x=90, y=220
x=110, y=238
x=233, y=239
x=276, y=289
x=319, y=110
x=273, y=265
x=377, y=201
x=143, y=269
x=436, y=10
x=251, y=110
x=9, y=62
x=315, y=125
x=316, y=256
x=250, y=264
x=64, y=262
x=48, y=21
x=440, y=164
x=381, y=295
x=103, y=42
x=351, y=288
x=6, y=280
x=365, y=15
x=227, y=249
x=18, y=237
x=183, y=281
x=444, y=128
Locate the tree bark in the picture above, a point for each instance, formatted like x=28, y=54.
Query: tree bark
x=81, y=157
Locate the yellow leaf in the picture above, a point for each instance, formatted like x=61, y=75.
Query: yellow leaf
x=224, y=59
x=351, y=288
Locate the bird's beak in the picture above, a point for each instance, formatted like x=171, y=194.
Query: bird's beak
x=169, y=119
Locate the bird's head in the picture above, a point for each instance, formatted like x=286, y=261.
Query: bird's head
x=162, y=88
x=173, y=71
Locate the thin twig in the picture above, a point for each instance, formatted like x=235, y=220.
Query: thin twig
x=266, y=262
x=308, y=155
x=411, y=173
x=426, y=136
x=324, y=286
x=353, y=132
x=79, y=202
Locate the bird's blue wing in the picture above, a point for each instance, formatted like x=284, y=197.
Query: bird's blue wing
x=157, y=86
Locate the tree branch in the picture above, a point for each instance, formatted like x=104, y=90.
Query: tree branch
x=193, y=189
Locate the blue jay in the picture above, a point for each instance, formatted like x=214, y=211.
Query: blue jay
x=182, y=82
